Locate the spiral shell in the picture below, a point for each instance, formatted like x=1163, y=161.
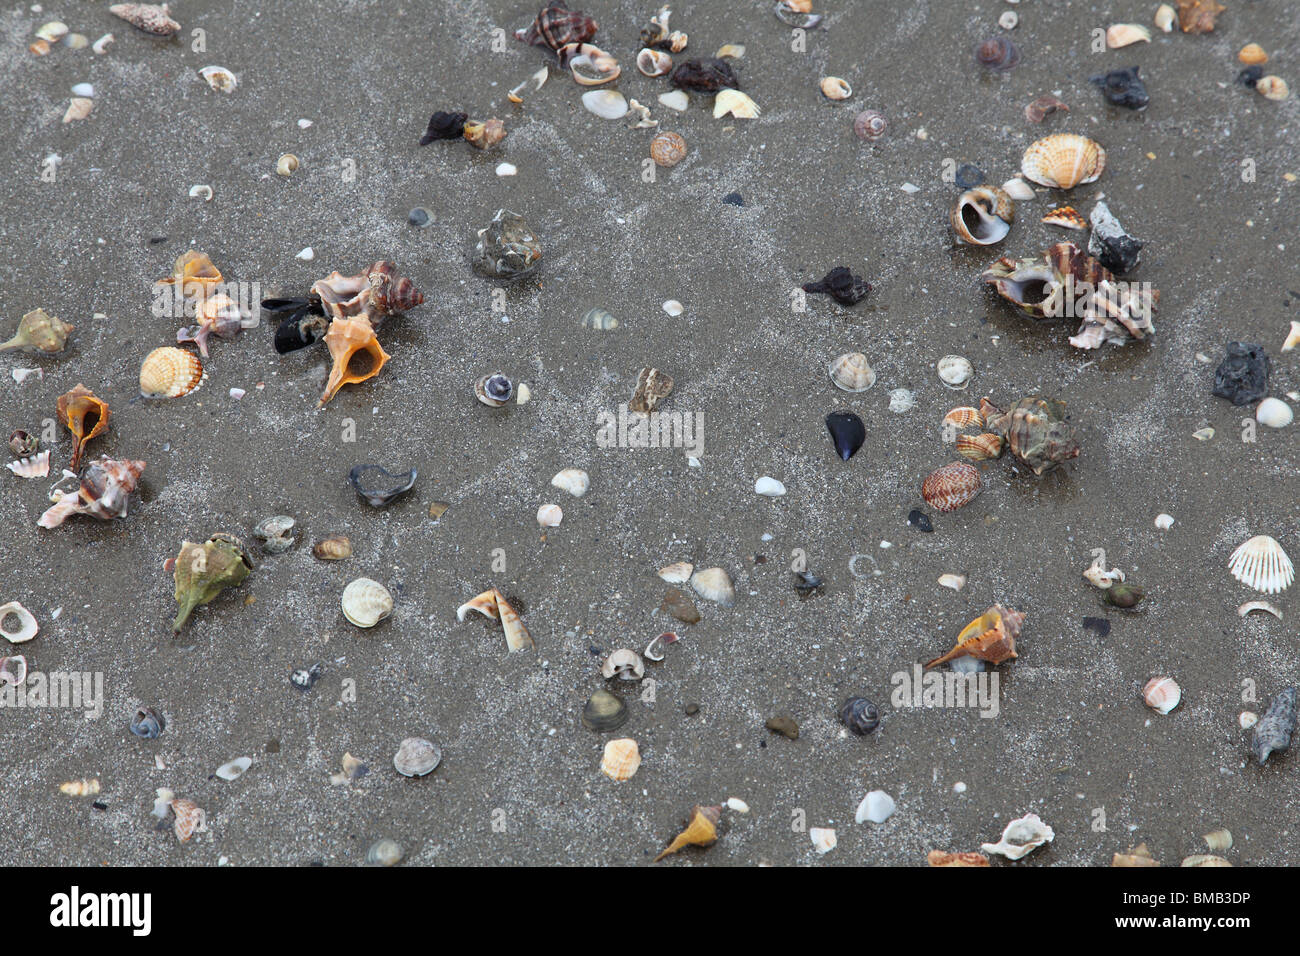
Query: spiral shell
x=982, y=216
x=654, y=62
x=852, y=373
x=997, y=53
x=667, y=149
x=1063, y=160
x=860, y=715
x=870, y=125
x=366, y=602
x=621, y=760
x=169, y=372
x=952, y=486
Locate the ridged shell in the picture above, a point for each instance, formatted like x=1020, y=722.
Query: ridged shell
x=1063, y=160
x=621, y=760
x=1067, y=217
x=334, y=548
x=1261, y=563
x=366, y=602
x=714, y=584
x=736, y=103
x=190, y=819
x=964, y=415
x=851, y=372
x=416, y=757
x=983, y=447
x=870, y=125
x=952, y=486
x=1162, y=694
x=169, y=372
x=982, y=216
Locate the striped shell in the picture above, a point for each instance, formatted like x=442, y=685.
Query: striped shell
x=169, y=372
x=983, y=447
x=1063, y=160
x=621, y=760
x=964, y=415
x=950, y=487
x=851, y=372
x=190, y=819
x=1261, y=563
x=1067, y=217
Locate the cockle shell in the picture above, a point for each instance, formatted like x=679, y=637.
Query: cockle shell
x=356, y=352
x=366, y=602
x=36, y=466
x=738, y=104
x=1162, y=694
x=851, y=372
x=984, y=447
x=152, y=18
x=39, y=332
x=194, y=272
x=964, y=415
x=1260, y=563
x=202, y=571
x=1274, y=413
x=990, y=637
x=190, y=817
x=955, y=371
x=170, y=372
x=103, y=492
x=654, y=62
x=1063, y=160
x=714, y=584
x=952, y=486
x=621, y=760
x=1164, y=18
x=27, y=627
x=1021, y=837
x=701, y=830
x=982, y=216
x=573, y=480
x=85, y=416
x=492, y=604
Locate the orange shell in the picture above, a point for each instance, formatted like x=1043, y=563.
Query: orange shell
x=983, y=447
x=1063, y=160
x=621, y=760
x=942, y=858
x=950, y=487
x=169, y=372
x=990, y=637
x=85, y=416
x=702, y=830
x=964, y=415
x=1252, y=54
x=357, y=354
x=195, y=273
x=1067, y=217
x=189, y=819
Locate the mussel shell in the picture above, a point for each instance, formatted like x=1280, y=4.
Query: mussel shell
x=860, y=715
x=378, y=486
x=298, y=331
x=148, y=723
x=604, y=712
x=847, y=432
x=416, y=757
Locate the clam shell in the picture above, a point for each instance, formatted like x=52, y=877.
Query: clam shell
x=573, y=480
x=235, y=768
x=675, y=100
x=621, y=760
x=334, y=548
x=955, y=371
x=1164, y=18
x=625, y=664
x=26, y=627
x=416, y=757
x=607, y=104
x=1261, y=563
x=170, y=372
x=952, y=486
x=851, y=372
x=714, y=584
x=678, y=573
x=876, y=807
x=1218, y=840
x=1252, y=54
x=1162, y=694
x=366, y=602
x=1123, y=34
x=1063, y=160
x=219, y=78
x=604, y=711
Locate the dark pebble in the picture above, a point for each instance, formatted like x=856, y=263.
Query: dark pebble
x=920, y=521
x=733, y=199
x=1097, y=625
x=692, y=710
x=1242, y=377
x=968, y=176
x=1250, y=76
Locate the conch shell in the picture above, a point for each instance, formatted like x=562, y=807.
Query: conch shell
x=492, y=604
x=702, y=830
x=990, y=637
x=357, y=354
x=39, y=332
x=103, y=494
x=85, y=416
x=1034, y=430
x=202, y=571
x=195, y=274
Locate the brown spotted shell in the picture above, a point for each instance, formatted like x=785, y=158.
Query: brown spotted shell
x=668, y=149
x=169, y=372
x=952, y=486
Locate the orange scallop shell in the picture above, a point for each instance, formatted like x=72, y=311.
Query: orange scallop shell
x=950, y=487
x=983, y=447
x=85, y=416
x=964, y=415
x=169, y=372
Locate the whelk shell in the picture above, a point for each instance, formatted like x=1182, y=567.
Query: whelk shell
x=1260, y=563
x=621, y=760
x=736, y=103
x=852, y=373
x=714, y=584
x=102, y=493
x=356, y=353
x=366, y=602
x=982, y=216
x=1162, y=694
x=170, y=372
x=990, y=637
x=26, y=628
x=202, y=571
x=835, y=88
x=1021, y=837
x=1063, y=160
x=701, y=830
x=39, y=332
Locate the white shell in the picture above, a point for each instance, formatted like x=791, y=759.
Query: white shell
x=1122, y=34
x=573, y=480
x=1247, y=719
x=823, y=839
x=621, y=760
x=769, y=487
x=1018, y=189
x=1274, y=413
x=851, y=372
x=1261, y=563
x=653, y=62
x=83, y=89
x=507, y=169
x=287, y=164
x=201, y=191
x=234, y=769
x=901, y=400
x=37, y=466
x=736, y=103
x=219, y=78
x=366, y=602
x=678, y=573
x=676, y=100
x=737, y=804
x=1258, y=606
x=673, y=308
x=955, y=371
x=1165, y=17
x=876, y=807
x=1099, y=577
x=306, y=254
x=626, y=663
x=13, y=670
x=1164, y=522
x=101, y=45
x=607, y=104
x=714, y=584
x=23, y=374
x=27, y=626
x=1162, y=694
x=52, y=32
x=549, y=516
x=1021, y=837
x=954, y=581
x=836, y=88
x=1293, y=337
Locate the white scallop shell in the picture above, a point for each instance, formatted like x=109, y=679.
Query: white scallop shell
x=736, y=103
x=27, y=626
x=714, y=584
x=573, y=480
x=1274, y=413
x=1261, y=563
x=366, y=602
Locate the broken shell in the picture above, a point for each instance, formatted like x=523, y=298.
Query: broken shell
x=492, y=604
x=1164, y=522
x=769, y=487
x=860, y=715
x=276, y=533
x=484, y=134
x=366, y=602
x=201, y=192
x=1273, y=731
x=147, y=723
x=823, y=839
x=604, y=711
x=39, y=332
x=203, y=571
x=101, y=45
x=852, y=373
x=79, y=108
x=621, y=760
x=901, y=400
x=1164, y=18
x=80, y=788
x=507, y=248
x=701, y=830
x=1067, y=217
x=194, y=272
x=1018, y=189
x=656, y=650
x=102, y=493
x=1252, y=54
x=150, y=17
x=1260, y=563
x=573, y=480
x=549, y=516
x=24, y=628
x=190, y=817
x=13, y=671
x=219, y=78
x=589, y=64
x=954, y=581
x=990, y=637
x=1204, y=859
x=1137, y=856
x=170, y=372
x=625, y=664
x=334, y=548
x=416, y=757
x=1274, y=413
x=607, y=104
x=982, y=216
x=870, y=125
x=37, y=466
x=85, y=416
x=736, y=103
x=714, y=584
x=1162, y=694
x=1198, y=16
x=955, y=371
x=876, y=807
x=654, y=62
x=378, y=486
x=952, y=486
x=1123, y=34
x=675, y=100
x=667, y=149
x=652, y=387
x=356, y=354
x=287, y=164
x=944, y=858
x=678, y=573
x=1218, y=840
x=1259, y=606
x=1063, y=160
x=234, y=769
x=835, y=88
x=1021, y=837
x=1293, y=337
x=52, y=32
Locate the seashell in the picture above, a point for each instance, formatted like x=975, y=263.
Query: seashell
x=1114, y=248
x=276, y=533
x=982, y=216
x=23, y=444
x=1122, y=88
x=384, y=852
x=219, y=78
x=1258, y=606
x=1164, y=18
x=944, y=858
x=1162, y=694
x=823, y=839
x=523, y=394
x=656, y=650
x=287, y=164
x=506, y=248
x=621, y=760
x=952, y=486
x=444, y=125
x=218, y=315
x=1204, y=859
x=797, y=14
x=604, y=711
x=194, y=272
x=102, y=493
x=38, y=47
x=416, y=757
x=169, y=372
x=1123, y=595
x=997, y=53
x=701, y=830
x=37, y=466
x=202, y=571
x=964, y=415
x=549, y=516
x=1036, y=431
x=835, y=88
x=101, y=45
x=1260, y=563
x=859, y=715
x=1218, y=840
x=847, y=433
x=673, y=307
x=652, y=387
x=955, y=371
x=1136, y=856
x=494, y=390
x=85, y=416
x=1043, y=107
x=1293, y=337
x=675, y=100
x=52, y=32
x=714, y=584
x=654, y=62
x=735, y=103
x=1018, y=189
x=484, y=134
x=152, y=18
x=708, y=75
x=985, y=447
x=1252, y=54
x=1067, y=217
x=1164, y=522
x=378, y=486
x=901, y=400
x=39, y=332
x=190, y=817
x=557, y=26
x=24, y=628
x=607, y=104
x=680, y=606
x=990, y=637
x=162, y=805
x=870, y=125
x=147, y=723
x=1273, y=731
x=851, y=372
x=1198, y=16
x=590, y=65
x=13, y=670
x=954, y=581
x=1063, y=160
x=1009, y=20
x=201, y=191
x=1274, y=413
x=600, y=320
x=21, y=375
x=678, y=573
x=366, y=602
x=769, y=487
x=876, y=807
x=1122, y=34
x=234, y=769
x=1270, y=87
x=80, y=788
x=573, y=480
x=1247, y=719
x=492, y=604
x=1021, y=837
x=352, y=768
x=667, y=149
x=356, y=353
x=842, y=285
x=334, y=548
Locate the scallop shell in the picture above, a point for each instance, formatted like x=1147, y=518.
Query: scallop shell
x=573, y=480
x=714, y=584
x=983, y=447
x=835, y=88
x=964, y=415
x=852, y=373
x=549, y=516
x=1261, y=563
x=27, y=627
x=607, y=104
x=654, y=62
x=982, y=216
x=952, y=486
x=1274, y=413
x=955, y=371
x=36, y=466
x=736, y=103
x=621, y=760
x=366, y=602
x=1162, y=694
x=169, y=372
x=1063, y=160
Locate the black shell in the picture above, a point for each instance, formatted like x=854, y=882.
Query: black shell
x=1122, y=88
x=841, y=285
x=378, y=486
x=444, y=125
x=847, y=432
x=1242, y=377
x=860, y=715
x=706, y=75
